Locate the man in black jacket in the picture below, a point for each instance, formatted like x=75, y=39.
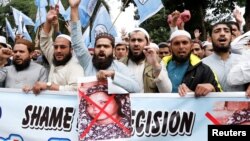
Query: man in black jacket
x=185, y=70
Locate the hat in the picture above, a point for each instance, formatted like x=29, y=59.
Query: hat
x=179, y=33
x=107, y=36
x=9, y=46
x=163, y=44
x=119, y=41
x=206, y=43
x=154, y=46
x=97, y=88
x=141, y=30
x=64, y=36
x=3, y=41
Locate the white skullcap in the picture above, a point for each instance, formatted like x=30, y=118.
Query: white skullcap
x=180, y=33
x=9, y=46
x=119, y=41
x=3, y=41
x=154, y=45
x=142, y=30
x=206, y=43
x=64, y=36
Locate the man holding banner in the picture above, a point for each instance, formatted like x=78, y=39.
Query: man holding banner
x=18, y=74
x=64, y=68
x=186, y=71
x=144, y=61
x=102, y=64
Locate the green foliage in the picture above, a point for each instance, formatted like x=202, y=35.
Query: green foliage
x=157, y=27
x=21, y=5
x=198, y=9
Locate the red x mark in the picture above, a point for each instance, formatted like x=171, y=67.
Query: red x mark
x=126, y=130
x=212, y=118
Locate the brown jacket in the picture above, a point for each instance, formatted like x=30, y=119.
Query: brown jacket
x=148, y=77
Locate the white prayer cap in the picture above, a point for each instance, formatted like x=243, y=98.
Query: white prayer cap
x=3, y=41
x=9, y=46
x=142, y=30
x=64, y=36
x=206, y=43
x=154, y=45
x=119, y=41
x=179, y=33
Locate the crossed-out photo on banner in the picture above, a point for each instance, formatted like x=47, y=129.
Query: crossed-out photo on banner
x=103, y=116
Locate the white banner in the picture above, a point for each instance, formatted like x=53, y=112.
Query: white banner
x=50, y=116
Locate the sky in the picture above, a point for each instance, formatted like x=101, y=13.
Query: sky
x=125, y=19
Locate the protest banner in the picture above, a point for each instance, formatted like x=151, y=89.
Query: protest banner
x=175, y=118
x=52, y=116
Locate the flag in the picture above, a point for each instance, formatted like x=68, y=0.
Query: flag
x=61, y=8
x=53, y=2
x=26, y=20
x=19, y=28
x=16, y=15
x=26, y=34
x=88, y=6
x=84, y=17
x=41, y=3
x=9, y=30
x=86, y=38
x=40, y=17
x=66, y=15
x=147, y=8
x=102, y=24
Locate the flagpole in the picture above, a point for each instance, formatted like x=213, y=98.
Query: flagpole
x=6, y=29
x=118, y=16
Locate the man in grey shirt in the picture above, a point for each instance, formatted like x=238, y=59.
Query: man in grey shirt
x=222, y=60
x=24, y=72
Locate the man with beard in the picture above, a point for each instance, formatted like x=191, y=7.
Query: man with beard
x=19, y=74
x=186, y=71
x=222, y=60
x=64, y=68
x=145, y=63
x=102, y=64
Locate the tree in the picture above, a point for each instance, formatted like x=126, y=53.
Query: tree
x=198, y=9
x=21, y=5
x=247, y=15
x=158, y=32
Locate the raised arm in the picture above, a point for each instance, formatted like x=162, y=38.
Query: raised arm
x=46, y=41
x=162, y=80
x=74, y=4
x=80, y=50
